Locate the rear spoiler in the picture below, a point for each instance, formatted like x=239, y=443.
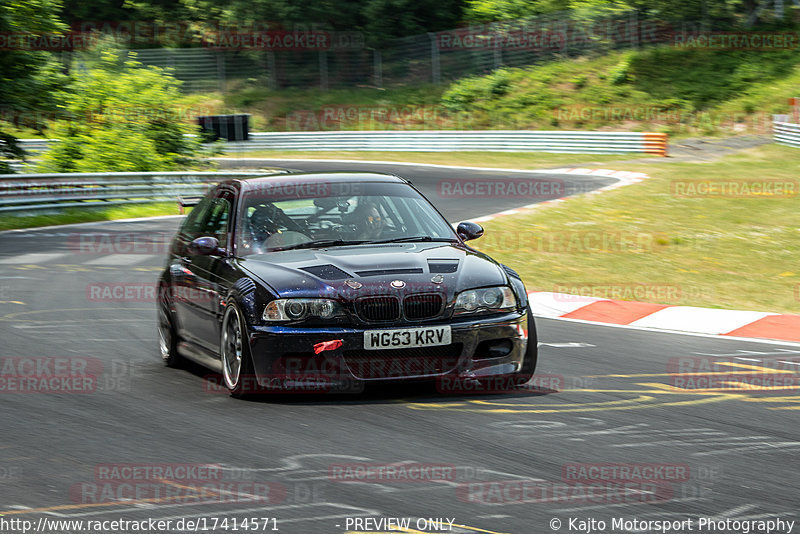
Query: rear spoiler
x=184, y=202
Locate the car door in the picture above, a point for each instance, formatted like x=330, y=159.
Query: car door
x=196, y=276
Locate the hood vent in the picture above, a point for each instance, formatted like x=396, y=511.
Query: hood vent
x=389, y=272
x=442, y=266
x=326, y=272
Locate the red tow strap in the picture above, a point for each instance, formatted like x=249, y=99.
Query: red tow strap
x=327, y=345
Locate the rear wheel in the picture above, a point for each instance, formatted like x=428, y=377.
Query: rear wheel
x=167, y=338
x=237, y=365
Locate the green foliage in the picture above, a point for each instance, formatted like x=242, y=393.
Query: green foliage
x=27, y=77
x=620, y=74
x=120, y=117
x=658, y=89
x=497, y=10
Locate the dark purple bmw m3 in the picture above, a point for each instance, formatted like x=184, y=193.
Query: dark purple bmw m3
x=328, y=281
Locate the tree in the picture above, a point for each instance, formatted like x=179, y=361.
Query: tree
x=120, y=116
x=28, y=75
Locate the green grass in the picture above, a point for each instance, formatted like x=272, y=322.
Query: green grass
x=513, y=160
x=736, y=253
x=77, y=215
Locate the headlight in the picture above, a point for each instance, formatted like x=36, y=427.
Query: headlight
x=299, y=309
x=489, y=299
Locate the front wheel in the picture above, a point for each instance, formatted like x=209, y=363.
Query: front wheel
x=237, y=365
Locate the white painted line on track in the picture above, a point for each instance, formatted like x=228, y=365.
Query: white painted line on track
x=121, y=259
x=33, y=258
x=93, y=223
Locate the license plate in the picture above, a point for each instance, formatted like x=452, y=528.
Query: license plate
x=404, y=338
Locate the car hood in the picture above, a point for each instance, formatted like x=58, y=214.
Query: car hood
x=421, y=267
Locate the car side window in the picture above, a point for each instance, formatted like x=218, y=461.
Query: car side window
x=196, y=220
x=211, y=219
x=216, y=225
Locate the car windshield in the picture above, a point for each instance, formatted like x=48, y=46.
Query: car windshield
x=291, y=214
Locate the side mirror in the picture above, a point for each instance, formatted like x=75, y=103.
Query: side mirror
x=205, y=246
x=469, y=230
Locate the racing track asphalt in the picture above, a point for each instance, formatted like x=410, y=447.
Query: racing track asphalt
x=509, y=452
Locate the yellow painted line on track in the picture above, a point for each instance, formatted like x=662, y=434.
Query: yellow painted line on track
x=633, y=404
x=794, y=398
x=129, y=502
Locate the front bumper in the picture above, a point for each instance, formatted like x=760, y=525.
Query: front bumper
x=481, y=347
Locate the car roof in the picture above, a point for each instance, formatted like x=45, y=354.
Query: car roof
x=311, y=177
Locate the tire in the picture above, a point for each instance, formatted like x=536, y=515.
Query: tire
x=167, y=336
x=524, y=375
x=237, y=364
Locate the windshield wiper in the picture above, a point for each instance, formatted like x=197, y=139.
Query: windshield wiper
x=425, y=238
x=318, y=244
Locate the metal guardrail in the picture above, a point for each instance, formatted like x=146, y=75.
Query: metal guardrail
x=34, y=192
x=35, y=145
x=445, y=141
x=456, y=140
x=786, y=133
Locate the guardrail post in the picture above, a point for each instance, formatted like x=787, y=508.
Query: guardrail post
x=436, y=74
x=271, y=71
x=221, y=70
x=323, y=71
x=377, y=68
